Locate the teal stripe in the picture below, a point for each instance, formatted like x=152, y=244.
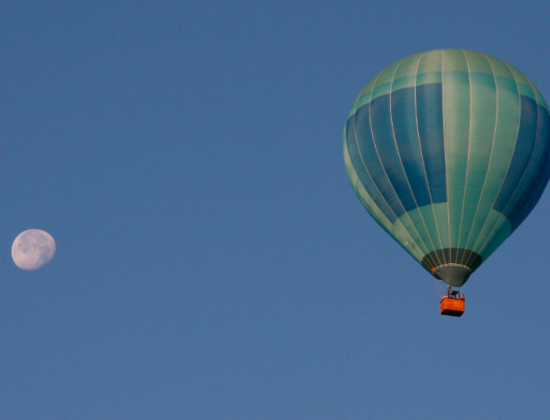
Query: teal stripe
x=430, y=71
x=456, y=117
x=482, y=130
x=508, y=118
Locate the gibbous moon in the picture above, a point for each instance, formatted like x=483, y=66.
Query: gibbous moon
x=32, y=249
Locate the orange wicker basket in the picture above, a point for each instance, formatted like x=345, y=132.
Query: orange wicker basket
x=452, y=306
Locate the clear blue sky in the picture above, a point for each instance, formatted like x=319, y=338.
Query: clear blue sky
x=213, y=261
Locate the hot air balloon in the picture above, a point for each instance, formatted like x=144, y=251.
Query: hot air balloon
x=448, y=150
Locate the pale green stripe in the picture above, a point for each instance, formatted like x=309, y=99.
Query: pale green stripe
x=421, y=228
x=523, y=83
x=500, y=233
x=489, y=240
x=412, y=227
x=363, y=96
x=477, y=62
x=456, y=118
x=408, y=66
x=431, y=62
x=454, y=60
x=366, y=90
x=408, y=245
x=424, y=217
x=352, y=111
x=428, y=214
x=405, y=75
x=383, y=83
x=441, y=211
x=430, y=71
x=514, y=199
x=508, y=119
x=482, y=130
x=500, y=68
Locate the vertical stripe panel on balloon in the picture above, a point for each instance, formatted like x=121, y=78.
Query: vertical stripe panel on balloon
x=408, y=144
x=405, y=130
x=456, y=110
x=372, y=162
x=430, y=127
x=524, y=84
x=520, y=159
x=429, y=110
x=380, y=122
x=536, y=175
x=364, y=129
x=537, y=154
x=429, y=113
x=386, y=150
x=397, y=230
x=358, y=163
x=383, y=83
x=522, y=153
x=507, y=126
x=482, y=130
x=403, y=120
x=384, y=144
x=374, y=178
x=405, y=75
x=364, y=96
x=360, y=191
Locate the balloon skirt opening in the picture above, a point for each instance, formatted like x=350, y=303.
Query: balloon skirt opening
x=453, y=274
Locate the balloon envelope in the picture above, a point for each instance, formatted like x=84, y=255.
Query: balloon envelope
x=449, y=151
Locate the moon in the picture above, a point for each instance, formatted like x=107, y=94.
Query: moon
x=32, y=249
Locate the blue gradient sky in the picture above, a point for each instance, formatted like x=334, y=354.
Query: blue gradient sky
x=213, y=261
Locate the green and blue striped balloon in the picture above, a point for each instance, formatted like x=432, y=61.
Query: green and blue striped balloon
x=449, y=151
